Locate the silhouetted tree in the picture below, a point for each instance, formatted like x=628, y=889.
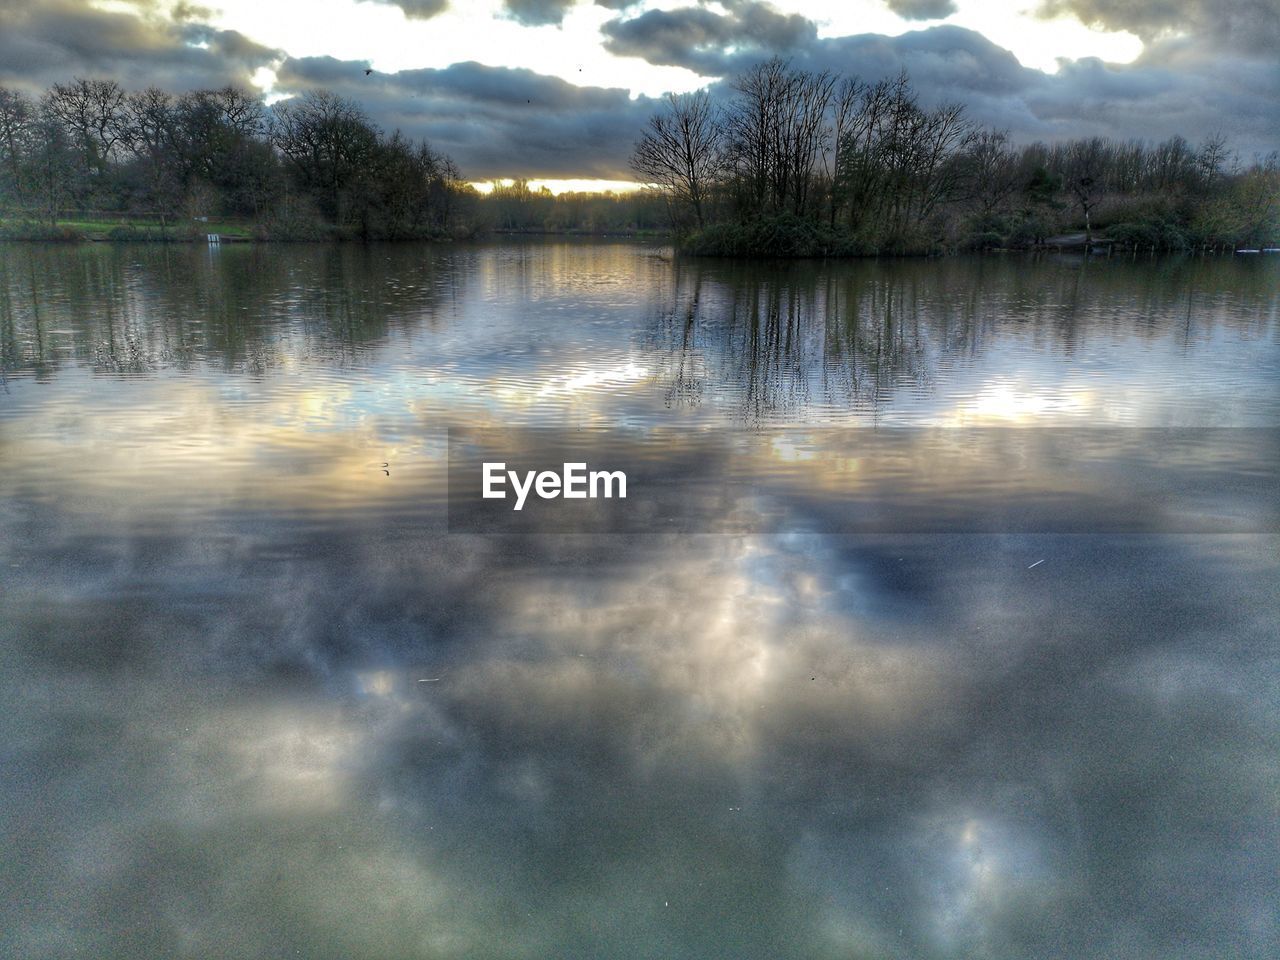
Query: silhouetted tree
x=93, y=113
x=680, y=151
x=328, y=141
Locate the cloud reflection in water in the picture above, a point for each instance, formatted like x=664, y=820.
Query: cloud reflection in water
x=217, y=609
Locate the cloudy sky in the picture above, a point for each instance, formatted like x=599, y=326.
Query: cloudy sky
x=556, y=90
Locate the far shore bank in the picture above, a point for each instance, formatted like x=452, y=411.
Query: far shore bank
x=717, y=242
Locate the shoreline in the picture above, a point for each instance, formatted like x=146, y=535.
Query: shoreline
x=1100, y=247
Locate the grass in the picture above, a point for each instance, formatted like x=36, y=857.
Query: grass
x=123, y=229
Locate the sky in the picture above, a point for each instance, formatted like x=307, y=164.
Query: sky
x=557, y=90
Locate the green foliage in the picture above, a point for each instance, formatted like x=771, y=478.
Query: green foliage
x=515, y=208
x=1156, y=234
x=1030, y=229
x=986, y=240
x=32, y=230
x=810, y=164
x=299, y=221
x=780, y=235
x=147, y=165
x=797, y=164
x=129, y=231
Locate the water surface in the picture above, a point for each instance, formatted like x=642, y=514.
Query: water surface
x=258, y=701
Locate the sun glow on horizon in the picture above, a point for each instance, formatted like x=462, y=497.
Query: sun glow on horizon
x=558, y=187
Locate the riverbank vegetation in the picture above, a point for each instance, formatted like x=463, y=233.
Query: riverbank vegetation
x=794, y=163
x=797, y=163
x=515, y=208
x=89, y=159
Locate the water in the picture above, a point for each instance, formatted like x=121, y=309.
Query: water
x=259, y=701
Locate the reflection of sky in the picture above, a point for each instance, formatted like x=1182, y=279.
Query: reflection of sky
x=219, y=613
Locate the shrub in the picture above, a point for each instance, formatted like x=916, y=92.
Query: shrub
x=984, y=240
x=1029, y=230
x=300, y=221
x=780, y=235
x=31, y=230
x=129, y=231
x=1157, y=234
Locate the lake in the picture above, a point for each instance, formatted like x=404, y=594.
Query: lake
x=265, y=693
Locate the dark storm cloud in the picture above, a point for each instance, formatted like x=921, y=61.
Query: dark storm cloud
x=1154, y=99
x=698, y=38
x=48, y=42
x=1179, y=85
x=494, y=121
x=1245, y=25
x=939, y=59
x=418, y=9
x=1219, y=75
x=1173, y=88
x=499, y=121
x=922, y=9
x=537, y=13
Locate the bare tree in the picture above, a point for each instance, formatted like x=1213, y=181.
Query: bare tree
x=805, y=133
x=991, y=168
x=239, y=111
x=1213, y=159
x=328, y=140
x=17, y=122
x=1255, y=198
x=1085, y=163
x=92, y=111
x=858, y=170
x=1175, y=164
x=751, y=130
x=899, y=162
x=944, y=134
x=775, y=132
x=51, y=167
x=844, y=115
x=149, y=127
x=680, y=150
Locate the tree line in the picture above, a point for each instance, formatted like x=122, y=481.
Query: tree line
x=515, y=207
x=794, y=161
x=807, y=162
x=307, y=167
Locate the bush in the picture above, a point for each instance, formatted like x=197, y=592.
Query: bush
x=31, y=230
x=781, y=235
x=1157, y=234
x=300, y=221
x=129, y=231
x=984, y=240
x=1030, y=230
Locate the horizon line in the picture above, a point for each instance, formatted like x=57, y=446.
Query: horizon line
x=559, y=185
